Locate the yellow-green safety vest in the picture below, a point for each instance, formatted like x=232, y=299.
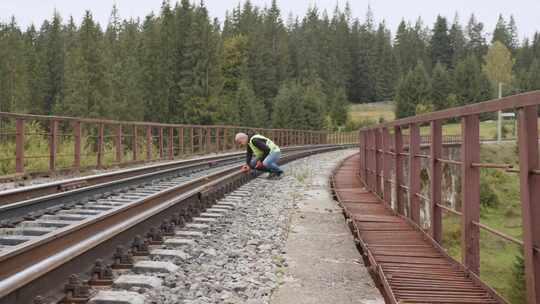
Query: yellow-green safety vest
x=258, y=152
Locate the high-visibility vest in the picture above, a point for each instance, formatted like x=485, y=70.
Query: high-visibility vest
x=258, y=152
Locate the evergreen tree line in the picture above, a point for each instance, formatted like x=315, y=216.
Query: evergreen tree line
x=256, y=68
x=452, y=65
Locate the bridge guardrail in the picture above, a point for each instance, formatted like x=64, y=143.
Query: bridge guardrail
x=73, y=144
x=382, y=152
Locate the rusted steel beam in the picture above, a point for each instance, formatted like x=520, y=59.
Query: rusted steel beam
x=208, y=145
x=160, y=142
x=387, y=187
x=118, y=143
x=398, y=169
x=498, y=233
x=218, y=141
x=149, y=143
x=19, y=146
x=53, y=143
x=135, y=143
x=99, y=158
x=530, y=198
x=171, y=143
x=191, y=137
x=180, y=141
x=201, y=140
x=470, y=153
x=414, y=172
x=435, y=170
x=77, y=145
x=378, y=164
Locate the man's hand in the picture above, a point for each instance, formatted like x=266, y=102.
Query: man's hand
x=259, y=165
x=245, y=168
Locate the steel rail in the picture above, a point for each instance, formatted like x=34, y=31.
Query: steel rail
x=29, y=269
x=22, y=202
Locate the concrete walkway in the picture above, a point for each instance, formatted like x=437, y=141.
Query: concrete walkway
x=324, y=264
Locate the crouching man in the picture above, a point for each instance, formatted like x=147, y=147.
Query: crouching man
x=262, y=154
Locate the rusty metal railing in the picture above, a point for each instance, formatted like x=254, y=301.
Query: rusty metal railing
x=382, y=150
x=37, y=143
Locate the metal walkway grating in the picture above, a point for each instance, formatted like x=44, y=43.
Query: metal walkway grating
x=408, y=264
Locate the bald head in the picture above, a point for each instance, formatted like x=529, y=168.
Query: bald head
x=241, y=138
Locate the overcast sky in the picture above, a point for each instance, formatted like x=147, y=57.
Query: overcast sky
x=526, y=12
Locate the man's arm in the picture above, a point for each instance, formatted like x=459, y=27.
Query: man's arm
x=249, y=155
x=261, y=144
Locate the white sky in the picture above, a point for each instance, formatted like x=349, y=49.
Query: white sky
x=526, y=12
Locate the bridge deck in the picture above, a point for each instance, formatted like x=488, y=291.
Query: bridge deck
x=409, y=265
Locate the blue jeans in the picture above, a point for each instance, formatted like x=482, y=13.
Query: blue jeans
x=269, y=162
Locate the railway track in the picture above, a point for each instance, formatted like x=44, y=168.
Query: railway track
x=40, y=253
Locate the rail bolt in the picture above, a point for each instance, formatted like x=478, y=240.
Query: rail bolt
x=101, y=274
x=139, y=247
x=154, y=236
x=123, y=258
x=167, y=228
x=76, y=291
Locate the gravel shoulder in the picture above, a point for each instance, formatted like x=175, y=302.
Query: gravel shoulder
x=324, y=264
x=257, y=253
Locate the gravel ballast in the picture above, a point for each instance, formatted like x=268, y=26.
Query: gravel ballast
x=240, y=257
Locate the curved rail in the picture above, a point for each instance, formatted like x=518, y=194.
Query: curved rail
x=28, y=270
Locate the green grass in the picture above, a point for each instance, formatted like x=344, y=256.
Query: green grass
x=372, y=111
x=497, y=256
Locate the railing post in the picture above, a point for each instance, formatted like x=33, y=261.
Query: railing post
x=217, y=140
x=118, y=143
x=99, y=164
x=19, y=146
x=180, y=141
x=372, y=159
x=191, y=139
x=435, y=175
x=171, y=143
x=76, y=145
x=365, y=157
x=414, y=172
x=387, y=187
x=160, y=142
x=208, y=147
x=148, y=143
x=530, y=198
x=201, y=140
x=398, y=168
x=376, y=152
x=470, y=177
x=135, y=143
x=53, y=145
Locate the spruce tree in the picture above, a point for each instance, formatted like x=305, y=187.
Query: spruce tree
x=441, y=50
x=440, y=87
x=414, y=91
x=471, y=84
x=339, y=107
x=476, y=41
x=501, y=33
x=386, y=68
x=457, y=42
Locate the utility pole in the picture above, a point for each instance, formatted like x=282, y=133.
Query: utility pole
x=499, y=120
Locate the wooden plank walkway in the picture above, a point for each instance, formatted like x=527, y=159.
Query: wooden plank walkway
x=409, y=265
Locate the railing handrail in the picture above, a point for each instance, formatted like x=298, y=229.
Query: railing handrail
x=510, y=102
x=136, y=123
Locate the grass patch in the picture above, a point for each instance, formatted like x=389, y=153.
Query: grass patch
x=498, y=257
x=372, y=111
